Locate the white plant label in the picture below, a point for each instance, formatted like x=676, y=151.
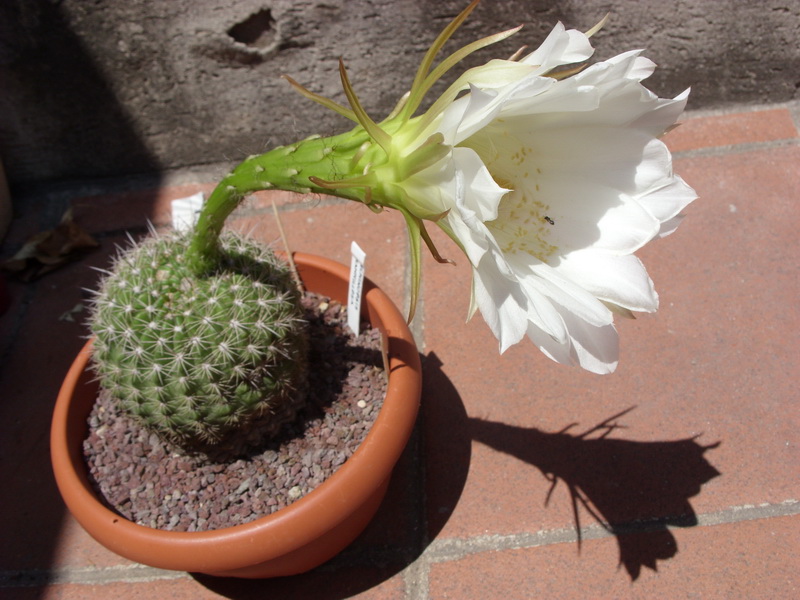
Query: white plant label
x=185, y=211
x=356, y=287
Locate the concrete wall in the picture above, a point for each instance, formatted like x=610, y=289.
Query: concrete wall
x=94, y=88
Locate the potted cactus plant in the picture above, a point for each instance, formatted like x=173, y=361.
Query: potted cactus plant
x=291, y=540
x=546, y=172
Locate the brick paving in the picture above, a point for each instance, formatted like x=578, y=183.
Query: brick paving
x=699, y=473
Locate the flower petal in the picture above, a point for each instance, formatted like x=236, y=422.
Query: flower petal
x=475, y=186
x=502, y=304
x=492, y=271
x=560, y=47
x=571, y=295
x=662, y=114
x=669, y=227
x=468, y=113
x=595, y=349
x=496, y=74
x=666, y=201
x=583, y=215
x=622, y=280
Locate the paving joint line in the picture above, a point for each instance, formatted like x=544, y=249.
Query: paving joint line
x=732, y=149
x=737, y=108
x=417, y=572
x=415, y=575
x=794, y=112
x=455, y=548
x=86, y=576
x=416, y=578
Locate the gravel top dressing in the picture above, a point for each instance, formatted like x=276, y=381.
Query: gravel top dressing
x=150, y=482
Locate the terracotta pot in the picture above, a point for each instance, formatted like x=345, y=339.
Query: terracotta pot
x=293, y=540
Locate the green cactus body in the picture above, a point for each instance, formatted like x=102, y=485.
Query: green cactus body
x=198, y=358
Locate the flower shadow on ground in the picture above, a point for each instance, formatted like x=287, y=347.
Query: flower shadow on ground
x=635, y=490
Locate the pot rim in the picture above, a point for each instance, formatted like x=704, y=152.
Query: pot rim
x=289, y=528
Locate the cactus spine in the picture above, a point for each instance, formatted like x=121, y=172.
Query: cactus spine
x=200, y=335
x=197, y=358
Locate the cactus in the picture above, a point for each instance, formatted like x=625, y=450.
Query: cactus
x=197, y=358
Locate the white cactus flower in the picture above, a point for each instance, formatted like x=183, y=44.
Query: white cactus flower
x=553, y=185
x=549, y=176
